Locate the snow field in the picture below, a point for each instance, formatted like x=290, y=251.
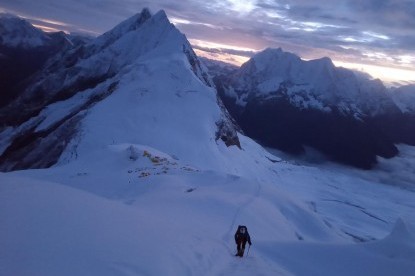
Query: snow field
x=176, y=219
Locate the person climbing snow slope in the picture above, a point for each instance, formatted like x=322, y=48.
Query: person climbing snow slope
x=241, y=237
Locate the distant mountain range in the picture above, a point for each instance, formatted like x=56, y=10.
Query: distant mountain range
x=51, y=84
x=288, y=103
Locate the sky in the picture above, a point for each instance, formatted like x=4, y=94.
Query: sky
x=375, y=36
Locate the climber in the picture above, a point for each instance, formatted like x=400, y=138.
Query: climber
x=241, y=237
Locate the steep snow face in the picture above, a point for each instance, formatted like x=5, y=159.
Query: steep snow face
x=16, y=32
x=404, y=97
x=161, y=100
x=314, y=84
x=160, y=103
x=141, y=36
x=141, y=82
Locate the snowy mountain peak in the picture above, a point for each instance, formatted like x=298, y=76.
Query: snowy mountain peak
x=145, y=13
x=272, y=57
x=134, y=22
x=130, y=24
x=273, y=62
x=142, y=78
x=142, y=32
x=324, y=62
x=146, y=35
x=17, y=32
x=317, y=84
x=269, y=52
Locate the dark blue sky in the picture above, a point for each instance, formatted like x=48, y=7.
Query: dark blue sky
x=377, y=36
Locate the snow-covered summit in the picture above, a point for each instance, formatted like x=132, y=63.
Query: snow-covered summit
x=317, y=84
x=275, y=66
x=139, y=83
x=142, y=35
x=124, y=27
x=17, y=32
x=267, y=59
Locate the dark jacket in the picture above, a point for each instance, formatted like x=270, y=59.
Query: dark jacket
x=242, y=237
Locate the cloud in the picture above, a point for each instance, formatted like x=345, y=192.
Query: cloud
x=344, y=29
x=242, y=53
x=386, y=13
x=97, y=16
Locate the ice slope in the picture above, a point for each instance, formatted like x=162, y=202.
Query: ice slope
x=134, y=210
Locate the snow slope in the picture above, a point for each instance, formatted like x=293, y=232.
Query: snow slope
x=134, y=210
x=160, y=97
